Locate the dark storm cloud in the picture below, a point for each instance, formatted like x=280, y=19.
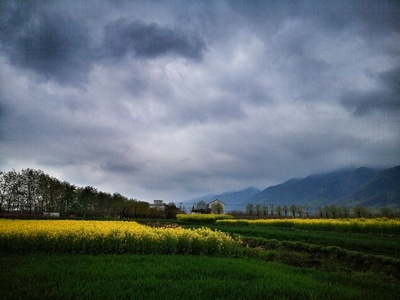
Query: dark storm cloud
x=217, y=112
x=391, y=80
x=149, y=41
x=174, y=99
x=51, y=43
x=120, y=167
x=378, y=16
x=56, y=44
x=3, y=114
x=384, y=98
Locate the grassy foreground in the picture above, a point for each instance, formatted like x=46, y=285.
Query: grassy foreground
x=132, y=276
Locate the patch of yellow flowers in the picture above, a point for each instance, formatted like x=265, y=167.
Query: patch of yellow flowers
x=361, y=225
x=72, y=236
x=201, y=218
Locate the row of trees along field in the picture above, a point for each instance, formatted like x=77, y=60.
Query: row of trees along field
x=34, y=192
x=327, y=211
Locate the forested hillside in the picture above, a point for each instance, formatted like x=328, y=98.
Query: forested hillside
x=382, y=190
x=362, y=186
x=328, y=194
x=316, y=189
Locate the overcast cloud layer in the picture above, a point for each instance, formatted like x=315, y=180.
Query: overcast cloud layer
x=175, y=99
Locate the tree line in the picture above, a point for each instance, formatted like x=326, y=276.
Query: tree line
x=298, y=211
x=326, y=211
x=32, y=192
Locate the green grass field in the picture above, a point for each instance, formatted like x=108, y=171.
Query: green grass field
x=388, y=245
x=68, y=276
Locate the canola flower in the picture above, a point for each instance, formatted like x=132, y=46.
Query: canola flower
x=360, y=225
x=71, y=236
x=201, y=218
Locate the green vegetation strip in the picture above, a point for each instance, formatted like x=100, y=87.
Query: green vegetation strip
x=374, y=225
x=388, y=245
x=126, y=276
x=342, y=252
x=330, y=258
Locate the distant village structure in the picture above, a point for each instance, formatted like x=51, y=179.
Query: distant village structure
x=158, y=204
x=214, y=207
x=51, y=214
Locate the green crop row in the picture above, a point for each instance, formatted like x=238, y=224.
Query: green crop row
x=375, y=225
x=323, y=257
x=388, y=245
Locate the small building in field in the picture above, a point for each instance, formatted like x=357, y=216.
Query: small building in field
x=158, y=204
x=216, y=206
x=51, y=214
x=200, y=211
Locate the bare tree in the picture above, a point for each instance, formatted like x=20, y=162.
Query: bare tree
x=250, y=208
x=279, y=209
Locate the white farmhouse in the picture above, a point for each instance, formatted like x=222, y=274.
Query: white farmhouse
x=158, y=204
x=216, y=206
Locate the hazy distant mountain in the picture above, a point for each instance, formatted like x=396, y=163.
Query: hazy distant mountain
x=316, y=190
x=364, y=186
x=206, y=198
x=382, y=190
x=233, y=200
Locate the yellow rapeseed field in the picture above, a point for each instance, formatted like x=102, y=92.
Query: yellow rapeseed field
x=201, y=218
x=73, y=236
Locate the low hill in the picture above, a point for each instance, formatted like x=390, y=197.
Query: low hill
x=363, y=186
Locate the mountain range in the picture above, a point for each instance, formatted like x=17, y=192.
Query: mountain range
x=368, y=187
x=233, y=200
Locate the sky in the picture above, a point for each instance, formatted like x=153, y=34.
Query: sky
x=177, y=99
